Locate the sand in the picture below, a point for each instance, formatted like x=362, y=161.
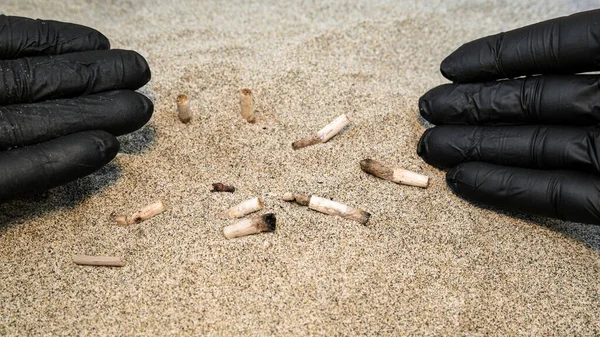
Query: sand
x=428, y=263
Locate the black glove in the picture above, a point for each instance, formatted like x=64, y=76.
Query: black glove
x=531, y=144
x=63, y=98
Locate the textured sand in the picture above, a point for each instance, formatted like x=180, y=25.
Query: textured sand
x=428, y=263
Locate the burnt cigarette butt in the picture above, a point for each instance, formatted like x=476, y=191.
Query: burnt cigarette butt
x=335, y=208
x=107, y=261
x=397, y=175
x=218, y=187
x=325, y=134
x=253, y=225
x=304, y=142
x=183, y=109
x=245, y=207
x=143, y=214
x=247, y=104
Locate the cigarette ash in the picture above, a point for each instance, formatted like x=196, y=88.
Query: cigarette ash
x=268, y=223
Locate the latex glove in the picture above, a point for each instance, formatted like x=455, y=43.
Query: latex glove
x=531, y=144
x=64, y=96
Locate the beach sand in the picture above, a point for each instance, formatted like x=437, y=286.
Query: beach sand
x=427, y=263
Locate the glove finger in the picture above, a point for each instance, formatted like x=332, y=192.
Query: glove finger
x=569, y=99
x=21, y=37
x=35, y=79
x=39, y=167
x=569, y=44
x=567, y=195
x=116, y=112
x=531, y=146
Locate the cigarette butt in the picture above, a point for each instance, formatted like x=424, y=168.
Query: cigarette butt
x=245, y=207
x=253, y=225
x=288, y=196
x=107, y=261
x=183, y=109
x=397, y=175
x=325, y=134
x=247, y=104
x=300, y=199
x=218, y=187
x=335, y=208
x=143, y=214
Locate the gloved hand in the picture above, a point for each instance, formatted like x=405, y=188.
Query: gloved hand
x=531, y=144
x=64, y=96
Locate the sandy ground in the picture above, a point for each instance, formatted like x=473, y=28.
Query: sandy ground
x=428, y=263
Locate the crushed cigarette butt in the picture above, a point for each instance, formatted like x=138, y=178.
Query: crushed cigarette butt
x=218, y=187
x=143, y=214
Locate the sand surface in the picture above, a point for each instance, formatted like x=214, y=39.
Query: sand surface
x=428, y=263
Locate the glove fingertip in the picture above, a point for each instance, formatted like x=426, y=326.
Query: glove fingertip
x=453, y=178
x=107, y=145
x=448, y=68
x=102, y=42
x=423, y=146
x=425, y=107
x=143, y=68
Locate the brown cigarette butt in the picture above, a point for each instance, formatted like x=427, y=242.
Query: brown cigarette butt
x=245, y=208
x=325, y=134
x=335, y=208
x=253, y=225
x=304, y=142
x=143, y=214
x=247, y=104
x=107, y=261
x=397, y=175
x=218, y=187
x=183, y=109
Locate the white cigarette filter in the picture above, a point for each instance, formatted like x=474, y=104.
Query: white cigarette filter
x=331, y=207
x=107, y=261
x=333, y=128
x=252, y=225
x=397, y=175
x=245, y=208
x=325, y=134
x=143, y=214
